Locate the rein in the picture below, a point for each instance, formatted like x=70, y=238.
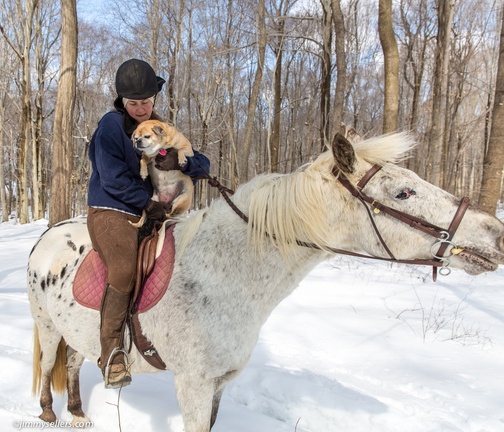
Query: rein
x=443, y=236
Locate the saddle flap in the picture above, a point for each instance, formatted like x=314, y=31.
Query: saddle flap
x=91, y=277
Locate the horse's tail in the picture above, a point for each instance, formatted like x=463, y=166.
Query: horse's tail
x=59, y=372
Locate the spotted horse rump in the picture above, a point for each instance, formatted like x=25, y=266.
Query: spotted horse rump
x=91, y=276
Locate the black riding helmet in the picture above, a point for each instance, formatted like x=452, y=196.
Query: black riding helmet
x=135, y=79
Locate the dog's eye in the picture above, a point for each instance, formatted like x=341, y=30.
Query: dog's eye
x=146, y=136
x=405, y=194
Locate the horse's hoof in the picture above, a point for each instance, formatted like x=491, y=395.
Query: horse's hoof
x=81, y=422
x=48, y=416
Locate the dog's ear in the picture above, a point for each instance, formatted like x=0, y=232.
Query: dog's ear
x=158, y=130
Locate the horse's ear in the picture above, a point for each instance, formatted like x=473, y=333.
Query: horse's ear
x=344, y=154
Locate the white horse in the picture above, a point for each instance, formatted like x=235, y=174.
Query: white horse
x=230, y=275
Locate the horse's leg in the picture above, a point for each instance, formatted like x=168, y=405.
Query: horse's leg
x=74, y=363
x=220, y=384
x=49, y=342
x=215, y=406
x=195, y=397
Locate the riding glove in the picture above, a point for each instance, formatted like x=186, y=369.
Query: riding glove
x=157, y=210
x=168, y=161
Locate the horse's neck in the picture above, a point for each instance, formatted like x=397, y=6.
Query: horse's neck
x=220, y=246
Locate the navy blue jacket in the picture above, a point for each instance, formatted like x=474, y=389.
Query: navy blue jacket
x=115, y=182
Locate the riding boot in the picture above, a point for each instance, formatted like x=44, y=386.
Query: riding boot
x=113, y=313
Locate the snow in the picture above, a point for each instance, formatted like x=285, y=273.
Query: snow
x=359, y=346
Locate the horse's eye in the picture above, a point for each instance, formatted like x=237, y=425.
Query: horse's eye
x=405, y=194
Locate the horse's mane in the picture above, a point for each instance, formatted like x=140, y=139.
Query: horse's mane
x=293, y=207
x=391, y=148
x=289, y=208
x=286, y=208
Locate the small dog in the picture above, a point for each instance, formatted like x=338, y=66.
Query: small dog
x=153, y=137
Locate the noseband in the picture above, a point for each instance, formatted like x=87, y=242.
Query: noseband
x=444, y=237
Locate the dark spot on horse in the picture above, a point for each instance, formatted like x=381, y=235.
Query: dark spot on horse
x=76, y=262
x=42, y=285
x=72, y=245
x=59, y=314
x=63, y=271
x=81, y=249
x=59, y=297
x=205, y=301
x=54, y=279
x=71, y=303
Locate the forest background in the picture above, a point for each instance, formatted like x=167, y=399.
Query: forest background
x=256, y=85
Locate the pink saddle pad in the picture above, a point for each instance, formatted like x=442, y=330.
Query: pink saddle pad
x=91, y=276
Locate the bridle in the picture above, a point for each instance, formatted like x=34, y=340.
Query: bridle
x=443, y=236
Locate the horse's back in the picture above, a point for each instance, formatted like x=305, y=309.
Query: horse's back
x=56, y=255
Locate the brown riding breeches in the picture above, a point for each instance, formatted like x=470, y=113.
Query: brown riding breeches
x=116, y=241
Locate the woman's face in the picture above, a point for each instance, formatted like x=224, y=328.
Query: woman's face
x=140, y=110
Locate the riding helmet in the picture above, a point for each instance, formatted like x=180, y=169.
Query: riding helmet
x=135, y=79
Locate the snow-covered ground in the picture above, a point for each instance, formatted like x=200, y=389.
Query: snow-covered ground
x=360, y=346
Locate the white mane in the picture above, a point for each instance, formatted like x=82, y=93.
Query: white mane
x=391, y=148
x=285, y=208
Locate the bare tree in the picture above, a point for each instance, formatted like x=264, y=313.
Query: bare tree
x=391, y=65
x=326, y=72
x=23, y=51
x=437, y=150
x=60, y=205
x=494, y=158
x=341, y=62
x=256, y=87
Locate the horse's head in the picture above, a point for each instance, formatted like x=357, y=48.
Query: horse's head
x=477, y=245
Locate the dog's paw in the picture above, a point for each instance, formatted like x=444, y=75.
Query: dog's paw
x=182, y=163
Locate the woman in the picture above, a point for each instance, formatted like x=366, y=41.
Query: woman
x=117, y=195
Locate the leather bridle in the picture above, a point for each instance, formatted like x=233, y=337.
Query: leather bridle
x=444, y=236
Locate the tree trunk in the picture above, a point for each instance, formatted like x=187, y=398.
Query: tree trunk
x=436, y=157
x=341, y=63
x=494, y=158
x=325, y=79
x=60, y=200
x=3, y=197
x=277, y=96
x=256, y=87
x=391, y=64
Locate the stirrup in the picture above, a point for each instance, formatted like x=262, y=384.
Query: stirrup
x=126, y=379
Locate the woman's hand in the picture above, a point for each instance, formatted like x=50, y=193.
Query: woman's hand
x=167, y=162
x=157, y=210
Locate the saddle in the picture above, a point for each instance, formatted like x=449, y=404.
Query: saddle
x=156, y=257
